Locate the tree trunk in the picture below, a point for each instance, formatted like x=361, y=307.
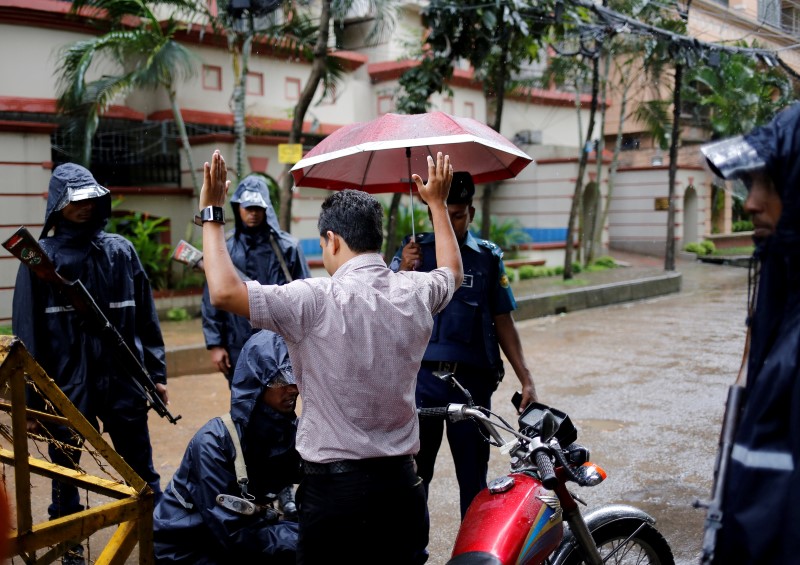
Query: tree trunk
x=576, y=197
x=306, y=97
x=593, y=239
x=612, y=171
x=240, y=63
x=92, y=122
x=669, y=258
x=497, y=121
x=180, y=125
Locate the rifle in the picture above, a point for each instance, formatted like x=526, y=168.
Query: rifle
x=189, y=255
x=730, y=423
x=24, y=247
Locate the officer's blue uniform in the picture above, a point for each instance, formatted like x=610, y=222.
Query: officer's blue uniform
x=464, y=334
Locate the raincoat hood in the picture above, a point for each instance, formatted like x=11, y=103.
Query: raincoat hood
x=264, y=359
x=71, y=183
x=253, y=191
x=774, y=148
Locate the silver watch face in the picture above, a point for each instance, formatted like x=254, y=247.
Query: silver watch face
x=213, y=214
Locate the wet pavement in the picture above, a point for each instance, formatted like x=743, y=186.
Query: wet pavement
x=645, y=383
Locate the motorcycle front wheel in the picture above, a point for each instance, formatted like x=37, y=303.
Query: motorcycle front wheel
x=647, y=546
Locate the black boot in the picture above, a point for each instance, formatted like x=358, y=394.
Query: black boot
x=287, y=504
x=73, y=556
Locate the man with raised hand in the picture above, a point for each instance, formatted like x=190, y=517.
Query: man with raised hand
x=356, y=341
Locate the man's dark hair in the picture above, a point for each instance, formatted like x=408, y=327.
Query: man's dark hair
x=355, y=216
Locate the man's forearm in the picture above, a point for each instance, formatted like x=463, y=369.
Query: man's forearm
x=225, y=289
x=447, y=252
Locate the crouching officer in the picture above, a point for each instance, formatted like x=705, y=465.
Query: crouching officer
x=217, y=507
x=465, y=340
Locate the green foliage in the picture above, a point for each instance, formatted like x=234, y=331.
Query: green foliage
x=178, y=315
x=526, y=272
x=404, y=219
x=605, y=261
x=733, y=251
x=5, y=330
x=142, y=231
x=742, y=225
x=656, y=115
x=187, y=278
x=737, y=94
x=694, y=247
x=709, y=246
x=146, y=57
x=506, y=234
x=418, y=83
x=496, y=38
x=705, y=247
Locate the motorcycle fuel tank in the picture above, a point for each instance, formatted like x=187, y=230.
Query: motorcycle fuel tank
x=518, y=523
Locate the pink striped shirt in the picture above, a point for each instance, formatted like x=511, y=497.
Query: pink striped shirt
x=356, y=341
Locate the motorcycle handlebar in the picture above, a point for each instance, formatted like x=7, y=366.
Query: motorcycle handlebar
x=458, y=412
x=436, y=412
x=546, y=471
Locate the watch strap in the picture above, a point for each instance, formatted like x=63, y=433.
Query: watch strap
x=214, y=214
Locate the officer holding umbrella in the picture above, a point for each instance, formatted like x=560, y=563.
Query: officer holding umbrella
x=465, y=342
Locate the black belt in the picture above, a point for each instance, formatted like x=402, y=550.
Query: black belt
x=352, y=465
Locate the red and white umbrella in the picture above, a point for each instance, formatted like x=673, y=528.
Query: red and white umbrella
x=379, y=155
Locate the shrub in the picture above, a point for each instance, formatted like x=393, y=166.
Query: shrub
x=142, y=231
x=178, y=314
x=709, y=246
x=5, y=330
x=506, y=234
x=742, y=225
x=605, y=261
x=526, y=272
x=694, y=247
x=512, y=273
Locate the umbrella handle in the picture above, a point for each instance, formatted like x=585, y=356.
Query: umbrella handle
x=411, y=194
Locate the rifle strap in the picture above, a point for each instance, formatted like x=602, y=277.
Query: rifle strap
x=279, y=254
x=238, y=463
x=752, y=292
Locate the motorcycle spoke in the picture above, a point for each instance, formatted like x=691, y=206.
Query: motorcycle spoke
x=622, y=553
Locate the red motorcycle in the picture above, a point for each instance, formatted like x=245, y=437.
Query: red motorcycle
x=520, y=518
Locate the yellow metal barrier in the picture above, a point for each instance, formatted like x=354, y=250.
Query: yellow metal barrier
x=131, y=511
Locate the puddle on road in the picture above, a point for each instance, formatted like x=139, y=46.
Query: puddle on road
x=602, y=425
x=572, y=391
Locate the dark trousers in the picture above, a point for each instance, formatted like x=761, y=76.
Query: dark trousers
x=373, y=514
x=469, y=448
x=131, y=439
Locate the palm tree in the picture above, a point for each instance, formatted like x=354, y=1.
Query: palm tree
x=148, y=56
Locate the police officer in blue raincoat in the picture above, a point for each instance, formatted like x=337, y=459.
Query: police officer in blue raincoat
x=466, y=341
x=761, y=501
x=77, y=211
x=260, y=250
x=190, y=525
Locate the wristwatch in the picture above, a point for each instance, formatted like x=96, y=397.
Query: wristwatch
x=210, y=214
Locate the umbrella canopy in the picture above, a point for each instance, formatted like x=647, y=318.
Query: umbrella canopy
x=377, y=156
